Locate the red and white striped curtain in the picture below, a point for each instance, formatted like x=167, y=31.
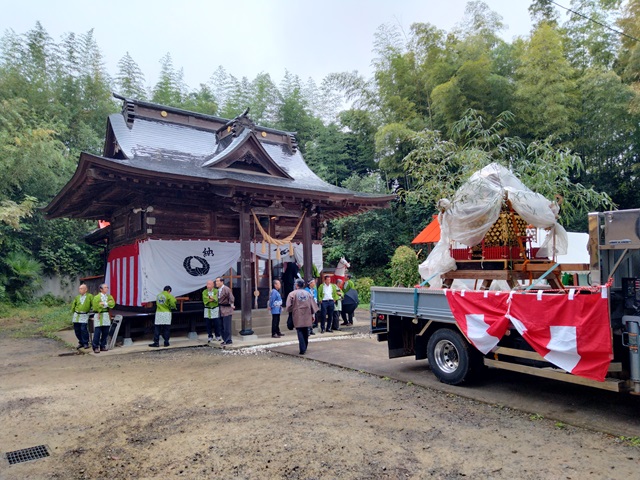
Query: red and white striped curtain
x=123, y=275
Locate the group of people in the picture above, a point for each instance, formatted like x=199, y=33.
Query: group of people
x=83, y=305
x=218, y=302
x=309, y=305
x=306, y=304
x=218, y=309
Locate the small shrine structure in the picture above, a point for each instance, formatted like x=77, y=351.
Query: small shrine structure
x=191, y=196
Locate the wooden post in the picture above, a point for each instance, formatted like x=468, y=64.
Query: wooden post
x=307, y=244
x=245, y=270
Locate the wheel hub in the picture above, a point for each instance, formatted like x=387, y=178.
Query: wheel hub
x=446, y=356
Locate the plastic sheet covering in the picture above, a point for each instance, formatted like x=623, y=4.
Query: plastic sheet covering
x=476, y=207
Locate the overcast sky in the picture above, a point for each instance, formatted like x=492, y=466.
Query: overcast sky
x=246, y=37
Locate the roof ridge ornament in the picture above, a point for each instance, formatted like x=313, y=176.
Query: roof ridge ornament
x=238, y=124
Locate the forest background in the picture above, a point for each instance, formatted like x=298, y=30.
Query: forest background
x=560, y=107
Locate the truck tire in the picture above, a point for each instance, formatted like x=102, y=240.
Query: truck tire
x=450, y=356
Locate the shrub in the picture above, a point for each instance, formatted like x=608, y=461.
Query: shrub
x=50, y=300
x=404, y=267
x=363, y=286
x=23, y=276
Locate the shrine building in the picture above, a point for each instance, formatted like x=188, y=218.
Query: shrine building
x=190, y=197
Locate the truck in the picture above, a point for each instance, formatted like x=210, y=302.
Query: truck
x=420, y=321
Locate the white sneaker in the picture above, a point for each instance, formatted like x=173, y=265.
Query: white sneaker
x=218, y=339
x=209, y=340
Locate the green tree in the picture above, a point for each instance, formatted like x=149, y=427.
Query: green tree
x=360, y=130
x=201, y=100
x=590, y=42
x=545, y=94
x=327, y=154
x=293, y=113
x=368, y=240
x=169, y=89
x=22, y=277
x=23, y=138
x=129, y=79
x=607, y=136
x=264, y=101
x=439, y=166
x=403, y=267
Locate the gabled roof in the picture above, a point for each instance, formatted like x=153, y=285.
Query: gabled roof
x=246, y=153
x=156, y=143
x=430, y=234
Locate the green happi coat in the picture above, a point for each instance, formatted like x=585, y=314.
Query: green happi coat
x=165, y=302
x=101, y=304
x=350, y=285
x=80, y=307
x=334, y=292
x=210, y=300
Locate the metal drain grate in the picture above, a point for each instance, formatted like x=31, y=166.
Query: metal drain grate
x=27, y=454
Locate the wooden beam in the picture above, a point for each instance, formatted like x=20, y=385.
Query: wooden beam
x=272, y=212
x=574, y=267
x=245, y=270
x=557, y=374
x=514, y=352
x=307, y=244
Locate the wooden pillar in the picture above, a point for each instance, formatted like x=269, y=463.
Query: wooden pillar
x=245, y=271
x=307, y=244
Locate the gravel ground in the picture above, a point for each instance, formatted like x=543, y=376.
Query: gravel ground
x=206, y=413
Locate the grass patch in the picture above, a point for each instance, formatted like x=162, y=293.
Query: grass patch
x=36, y=320
x=633, y=441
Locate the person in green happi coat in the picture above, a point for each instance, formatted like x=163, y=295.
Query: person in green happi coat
x=165, y=302
x=211, y=312
x=80, y=307
x=101, y=304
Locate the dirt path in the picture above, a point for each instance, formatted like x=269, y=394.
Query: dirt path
x=204, y=413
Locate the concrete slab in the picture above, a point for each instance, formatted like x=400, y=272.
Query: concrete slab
x=186, y=341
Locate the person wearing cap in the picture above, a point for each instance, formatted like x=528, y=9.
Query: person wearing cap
x=165, y=302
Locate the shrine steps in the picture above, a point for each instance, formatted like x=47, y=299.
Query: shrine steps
x=260, y=322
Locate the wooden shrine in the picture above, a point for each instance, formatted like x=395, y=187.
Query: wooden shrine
x=171, y=174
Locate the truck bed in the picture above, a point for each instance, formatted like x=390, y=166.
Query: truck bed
x=422, y=303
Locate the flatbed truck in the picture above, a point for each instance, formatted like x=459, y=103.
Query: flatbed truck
x=419, y=321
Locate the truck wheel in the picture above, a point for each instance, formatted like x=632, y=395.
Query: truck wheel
x=449, y=356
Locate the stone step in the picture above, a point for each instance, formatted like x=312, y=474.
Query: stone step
x=260, y=322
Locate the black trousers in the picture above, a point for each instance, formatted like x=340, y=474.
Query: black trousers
x=275, y=324
x=303, y=338
x=164, y=330
x=226, y=329
x=82, y=333
x=214, y=326
x=100, y=335
x=326, y=313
